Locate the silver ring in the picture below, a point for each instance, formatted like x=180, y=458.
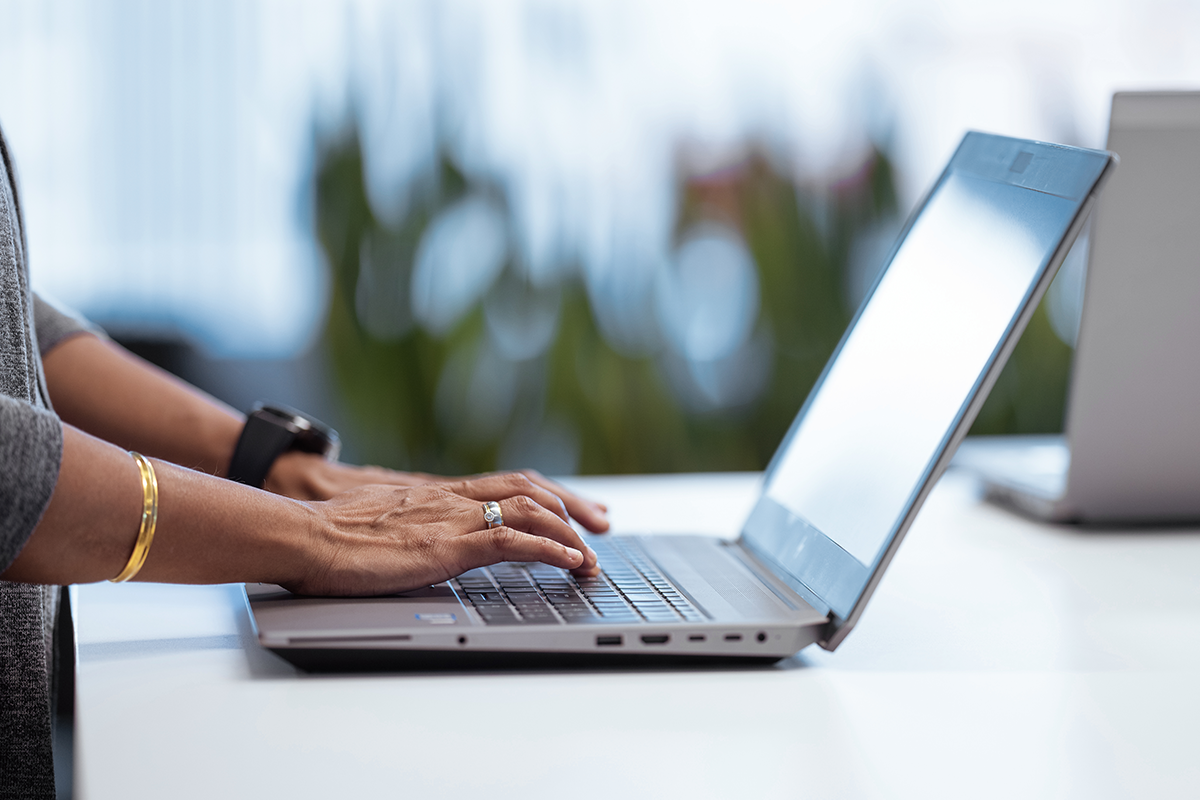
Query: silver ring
x=492, y=515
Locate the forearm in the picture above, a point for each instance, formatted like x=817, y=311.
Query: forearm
x=209, y=530
x=370, y=540
x=101, y=388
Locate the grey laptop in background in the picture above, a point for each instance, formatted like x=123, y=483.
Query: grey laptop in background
x=1131, y=448
x=879, y=427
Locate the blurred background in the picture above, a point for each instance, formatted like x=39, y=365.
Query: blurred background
x=580, y=235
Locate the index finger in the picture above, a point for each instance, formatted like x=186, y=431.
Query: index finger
x=589, y=514
x=525, y=516
x=502, y=485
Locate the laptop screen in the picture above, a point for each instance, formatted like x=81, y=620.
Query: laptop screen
x=898, y=387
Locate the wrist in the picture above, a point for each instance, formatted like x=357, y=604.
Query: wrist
x=299, y=475
x=309, y=546
x=223, y=439
x=289, y=547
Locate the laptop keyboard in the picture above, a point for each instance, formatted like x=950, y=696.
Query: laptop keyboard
x=630, y=589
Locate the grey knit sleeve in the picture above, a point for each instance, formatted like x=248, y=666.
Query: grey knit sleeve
x=31, y=441
x=55, y=323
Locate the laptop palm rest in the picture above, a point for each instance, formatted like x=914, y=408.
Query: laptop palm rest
x=721, y=584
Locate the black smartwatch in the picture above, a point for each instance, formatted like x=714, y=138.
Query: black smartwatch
x=272, y=430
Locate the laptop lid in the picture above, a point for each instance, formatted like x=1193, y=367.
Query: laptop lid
x=1131, y=410
x=915, y=365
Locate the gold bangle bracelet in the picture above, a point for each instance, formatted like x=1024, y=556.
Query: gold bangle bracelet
x=145, y=536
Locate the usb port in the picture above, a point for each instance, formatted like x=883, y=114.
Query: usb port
x=733, y=637
x=608, y=641
x=661, y=638
x=696, y=637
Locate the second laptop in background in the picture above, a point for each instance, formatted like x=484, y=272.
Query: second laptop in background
x=1131, y=448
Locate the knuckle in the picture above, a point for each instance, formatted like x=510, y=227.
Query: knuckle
x=504, y=539
x=517, y=481
x=525, y=504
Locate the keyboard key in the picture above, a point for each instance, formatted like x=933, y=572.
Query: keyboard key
x=629, y=581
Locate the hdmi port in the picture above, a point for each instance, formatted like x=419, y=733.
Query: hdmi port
x=656, y=639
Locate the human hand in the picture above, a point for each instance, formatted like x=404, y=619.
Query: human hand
x=306, y=476
x=379, y=539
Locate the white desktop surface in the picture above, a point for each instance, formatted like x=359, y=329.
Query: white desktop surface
x=999, y=659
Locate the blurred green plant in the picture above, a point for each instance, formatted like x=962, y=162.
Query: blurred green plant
x=1031, y=393
x=417, y=399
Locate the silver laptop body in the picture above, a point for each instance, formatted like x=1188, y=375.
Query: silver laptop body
x=875, y=433
x=1131, y=448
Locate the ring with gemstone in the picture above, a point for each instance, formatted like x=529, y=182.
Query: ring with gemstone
x=492, y=515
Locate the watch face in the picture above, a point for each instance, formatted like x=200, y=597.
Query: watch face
x=312, y=435
x=320, y=442
x=287, y=416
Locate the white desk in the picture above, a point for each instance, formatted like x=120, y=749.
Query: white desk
x=998, y=659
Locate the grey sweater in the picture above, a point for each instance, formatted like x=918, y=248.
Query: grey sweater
x=30, y=454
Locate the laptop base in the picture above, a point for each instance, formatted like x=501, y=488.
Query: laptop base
x=1025, y=474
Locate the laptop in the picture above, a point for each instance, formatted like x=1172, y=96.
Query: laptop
x=869, y=443
x=1131, y=448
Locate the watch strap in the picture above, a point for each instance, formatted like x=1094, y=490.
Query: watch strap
x=262, y=441
x=272, y=430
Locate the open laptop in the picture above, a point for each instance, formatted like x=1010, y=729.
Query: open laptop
x=877, y=430
x=1131, y=450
